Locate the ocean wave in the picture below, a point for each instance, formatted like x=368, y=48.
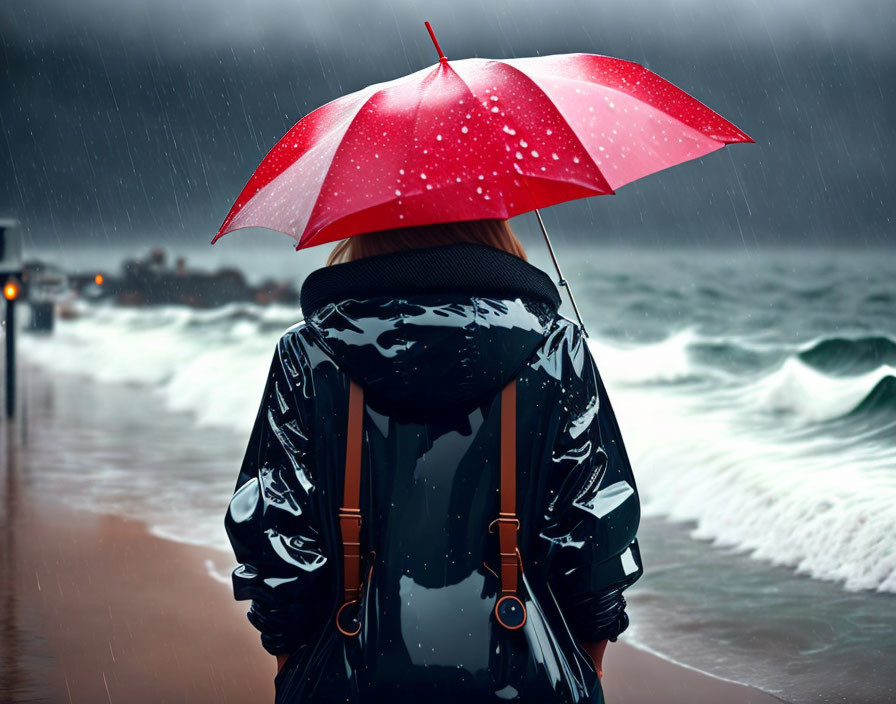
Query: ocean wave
x=804, y=394
x=880, y=400
x=810, y=501
x=212, y=363
x=840, y=355
x=818, y=501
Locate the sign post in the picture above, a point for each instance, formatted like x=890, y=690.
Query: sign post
x=11, y=277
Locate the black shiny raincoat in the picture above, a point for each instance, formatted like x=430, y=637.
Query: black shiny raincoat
x=432, y=335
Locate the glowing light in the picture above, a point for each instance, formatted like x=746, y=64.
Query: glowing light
x=11, y=290
x=98, y=279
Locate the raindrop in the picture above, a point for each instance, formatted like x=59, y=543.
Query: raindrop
x=423, y=175
x=438, y=138
x=524, y=143
x=397, y=192
x=509, y=130
x=535, y=153
x=519, y=155
x=464, y=129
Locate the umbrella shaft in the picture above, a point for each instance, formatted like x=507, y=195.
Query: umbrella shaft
x=562, y=282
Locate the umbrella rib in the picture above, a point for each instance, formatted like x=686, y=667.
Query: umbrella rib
x=478, y=107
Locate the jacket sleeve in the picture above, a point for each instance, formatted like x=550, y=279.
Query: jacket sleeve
x=271, y=519
x=593, y=509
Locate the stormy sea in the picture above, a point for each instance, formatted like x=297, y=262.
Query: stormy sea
x=756, y=394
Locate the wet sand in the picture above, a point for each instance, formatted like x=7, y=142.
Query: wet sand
x=97, y=609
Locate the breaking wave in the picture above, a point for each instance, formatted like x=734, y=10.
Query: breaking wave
x=784, y=451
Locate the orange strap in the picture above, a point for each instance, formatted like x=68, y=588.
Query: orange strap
x=508, y=523
x=350, y=513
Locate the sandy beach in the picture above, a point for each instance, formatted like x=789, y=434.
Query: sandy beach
x=98, y=609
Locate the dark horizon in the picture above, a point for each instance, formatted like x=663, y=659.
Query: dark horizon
x=129, y=124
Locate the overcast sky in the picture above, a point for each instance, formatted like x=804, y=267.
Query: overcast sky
x=128, y=121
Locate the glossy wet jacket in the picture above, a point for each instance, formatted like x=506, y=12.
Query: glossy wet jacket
x=432, y=335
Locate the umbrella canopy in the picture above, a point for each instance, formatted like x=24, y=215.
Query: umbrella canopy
x=473, y=139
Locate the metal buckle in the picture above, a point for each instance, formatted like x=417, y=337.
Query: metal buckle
x=502, y=519
x=510, y=612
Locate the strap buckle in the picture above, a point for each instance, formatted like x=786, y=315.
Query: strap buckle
x=504, y=519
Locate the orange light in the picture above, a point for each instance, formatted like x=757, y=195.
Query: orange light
x=98, y=279
x=11, y=290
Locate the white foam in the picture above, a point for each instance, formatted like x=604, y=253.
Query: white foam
x=799, y=390
x=816, y=503
x=212, y=363
x=666, y=361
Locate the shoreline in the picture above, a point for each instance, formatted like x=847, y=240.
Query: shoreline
x=105, y=611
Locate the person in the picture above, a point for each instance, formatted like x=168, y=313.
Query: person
x=433, y=323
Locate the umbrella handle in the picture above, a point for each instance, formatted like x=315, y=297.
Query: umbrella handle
x=561, y=281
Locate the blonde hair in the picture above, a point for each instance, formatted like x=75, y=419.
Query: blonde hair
x=492, y=232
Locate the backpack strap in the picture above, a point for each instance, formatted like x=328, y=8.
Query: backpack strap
x=509, y=609
x=350, y=513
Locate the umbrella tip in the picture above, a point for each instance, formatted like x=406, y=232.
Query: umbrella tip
x=432, y=35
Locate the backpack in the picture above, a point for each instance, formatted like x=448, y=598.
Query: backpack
x=509, y=609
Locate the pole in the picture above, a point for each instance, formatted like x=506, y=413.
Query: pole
x=10, y=358
x=432, y=35
x=561, y=281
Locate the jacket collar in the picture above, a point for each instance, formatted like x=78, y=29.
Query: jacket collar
x=462, y=267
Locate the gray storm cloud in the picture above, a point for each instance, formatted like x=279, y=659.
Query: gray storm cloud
x=125, y=119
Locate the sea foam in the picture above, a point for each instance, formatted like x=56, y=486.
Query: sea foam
x=757, y=454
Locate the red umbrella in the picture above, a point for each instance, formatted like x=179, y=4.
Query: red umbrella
x=474, y=139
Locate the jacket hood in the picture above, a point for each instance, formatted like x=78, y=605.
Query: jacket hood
x=431, y=327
